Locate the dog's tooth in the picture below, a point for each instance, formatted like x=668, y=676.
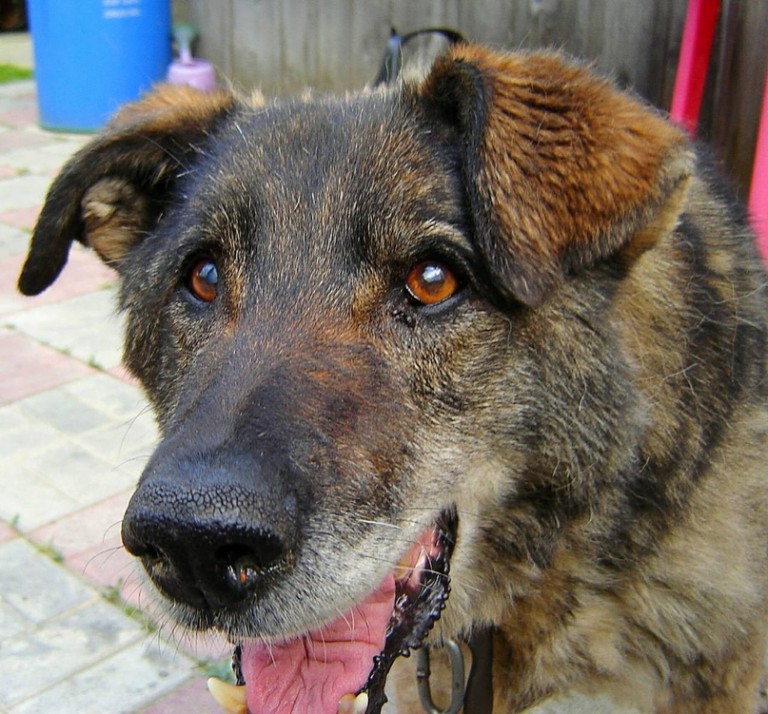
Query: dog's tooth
x=351, y=704
x=230, y=697
x=361, y=703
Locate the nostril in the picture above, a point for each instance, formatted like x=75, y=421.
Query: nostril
x=147, y=552
x=241, y=566
x=246, y=564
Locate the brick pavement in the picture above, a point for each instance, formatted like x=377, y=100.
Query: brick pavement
x=74, y=433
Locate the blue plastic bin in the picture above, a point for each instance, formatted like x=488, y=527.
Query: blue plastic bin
x=93, y=55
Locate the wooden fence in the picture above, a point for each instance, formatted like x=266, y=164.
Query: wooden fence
x=283, y=46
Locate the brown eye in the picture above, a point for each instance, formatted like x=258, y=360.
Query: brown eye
x=430, y=282
x=203, y=280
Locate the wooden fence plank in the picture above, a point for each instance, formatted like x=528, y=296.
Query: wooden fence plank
x=284, y=46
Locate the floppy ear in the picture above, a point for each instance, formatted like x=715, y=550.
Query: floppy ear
x=113, y=191
x=561, y=169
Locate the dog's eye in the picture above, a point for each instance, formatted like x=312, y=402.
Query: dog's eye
x=203, y=280
x=430, y=282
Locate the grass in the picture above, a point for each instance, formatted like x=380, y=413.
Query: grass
x=12, y=73
x=111, y=593
x=52, y=552
x=219, y=669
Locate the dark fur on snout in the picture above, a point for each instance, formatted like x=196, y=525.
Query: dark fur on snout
x=591, y=398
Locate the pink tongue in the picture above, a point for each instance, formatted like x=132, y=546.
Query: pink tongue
x=311, y=673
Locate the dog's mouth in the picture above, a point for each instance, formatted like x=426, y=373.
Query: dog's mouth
x=343, y=666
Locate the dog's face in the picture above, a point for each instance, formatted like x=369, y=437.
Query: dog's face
x=337, y=309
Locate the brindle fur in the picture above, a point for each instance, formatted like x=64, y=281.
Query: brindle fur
x=593, y=401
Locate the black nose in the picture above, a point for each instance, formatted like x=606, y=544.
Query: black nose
x=207, y=537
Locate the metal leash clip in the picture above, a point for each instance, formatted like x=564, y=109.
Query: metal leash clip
x=457, y=679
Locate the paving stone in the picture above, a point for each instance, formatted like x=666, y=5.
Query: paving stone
x=23, y=218
x=23, y=191
x=35, y=587
x=21, y=435
x=84, y=273
x=12, y=241
x=89, y=541
x=113, y=571
x=29, y=502
x=23, y=89
x=84, y=327
x=62, y=648
x=6, y=532
x=82, y=477
x=44, y=157
x=73, y=440
x=11, y=624
x=46, y=482
x=127, y=443
x=121, y=684
x=122, y=402
x=62, y=411
x=96, y=526
x=30, y=368
x=15, y=139
x=193, y=697
x=200, y=646
x=19, y=116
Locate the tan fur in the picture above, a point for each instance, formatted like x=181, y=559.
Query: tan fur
x=569, y=167
x=113, y=213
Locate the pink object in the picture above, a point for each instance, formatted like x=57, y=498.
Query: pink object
x=698, y=31
x=196, y=73
x=758, y=192
x=312, y=673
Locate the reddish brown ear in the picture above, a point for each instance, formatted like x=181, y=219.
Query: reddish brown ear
x=562, y=170
x=114, y=189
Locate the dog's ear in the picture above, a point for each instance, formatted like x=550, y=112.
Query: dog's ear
x=113, y=191
x=561, y=169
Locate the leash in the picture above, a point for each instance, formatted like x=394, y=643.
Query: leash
x=477, y=697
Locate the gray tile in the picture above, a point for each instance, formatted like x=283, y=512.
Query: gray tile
x=78, y=474
x=11, y=623
x=19, y=433
x=111, y=396
x=28, y=500
x=35, y=587
x=44, y=159
x=85, y=327
x=120, y=684
x=48, y=473
x=13, y=241
x=23, y=191
x=10, y=416
x=62, y=648
x=119, y=442
x=14, y=90
x=62, y=411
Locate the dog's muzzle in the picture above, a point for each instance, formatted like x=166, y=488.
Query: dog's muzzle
x=216, y=531
x=211, y=535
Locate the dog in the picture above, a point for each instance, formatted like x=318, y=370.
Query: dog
x=481, y=353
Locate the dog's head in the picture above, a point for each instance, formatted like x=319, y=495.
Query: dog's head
x=336, y=308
